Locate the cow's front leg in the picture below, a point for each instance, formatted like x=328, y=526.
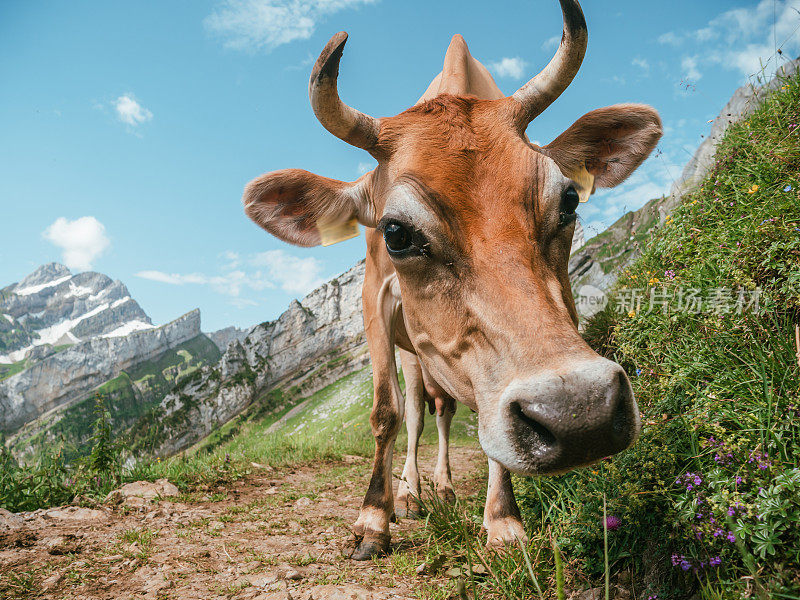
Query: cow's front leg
x=410, y=489
x=380, y=315
x=442, y=481
x=372, y=526
x=501, y=516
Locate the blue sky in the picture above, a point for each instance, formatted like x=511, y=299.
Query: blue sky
x=130, y=129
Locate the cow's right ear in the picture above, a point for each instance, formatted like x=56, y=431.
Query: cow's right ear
x=294, y=205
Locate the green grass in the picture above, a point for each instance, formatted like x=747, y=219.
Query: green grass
x=7, y=371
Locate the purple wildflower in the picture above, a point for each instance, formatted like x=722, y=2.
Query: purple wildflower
x=731, y=537
x=613, y=522
x=715, y=561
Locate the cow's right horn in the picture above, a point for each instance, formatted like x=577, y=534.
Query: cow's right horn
x=344, y=122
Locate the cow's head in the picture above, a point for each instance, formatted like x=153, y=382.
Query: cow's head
x=478, y=223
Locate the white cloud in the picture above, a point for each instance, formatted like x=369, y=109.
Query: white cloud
x=130, y=112
x=641, y=63
x=292, y=273
x=365, y=167
x=669, y=38
x=266, y=270
x=233, y=259
x=513, y=67
x=743, y=39
x=689, y=69
x=267, y=24
x=551, y=43
x=82, y=240
x=229, y=284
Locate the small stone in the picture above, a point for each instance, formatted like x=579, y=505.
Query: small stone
x=59, y=545
x=148, y=490
x=591, y=594
x=292, y=575
x=51, y=582
x=352, y=459
x=454, y=572
x=9, y=521
x=303, y=502
x=266, y=468
x=262, y=580
x=75, y=513
x=479, y=569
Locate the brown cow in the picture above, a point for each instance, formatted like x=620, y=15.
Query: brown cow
x=469, y=233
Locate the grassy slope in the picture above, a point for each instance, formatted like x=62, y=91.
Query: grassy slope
x=333, y=420
x=718, y=390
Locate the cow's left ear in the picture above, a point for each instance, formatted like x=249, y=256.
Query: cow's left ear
x=609, y=143
x=303, y=208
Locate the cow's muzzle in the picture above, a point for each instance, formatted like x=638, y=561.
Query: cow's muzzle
x=558, y=420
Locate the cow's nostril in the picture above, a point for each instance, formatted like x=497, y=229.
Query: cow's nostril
x=533, y=434
x=621, y=424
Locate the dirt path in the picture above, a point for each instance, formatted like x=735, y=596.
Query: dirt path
x=275, y=535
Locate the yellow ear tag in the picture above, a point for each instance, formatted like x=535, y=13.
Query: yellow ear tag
x=332, y=232
x=585, y=181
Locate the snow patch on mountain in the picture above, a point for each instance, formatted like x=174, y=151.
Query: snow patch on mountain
x=35, y=289
x=128, y=328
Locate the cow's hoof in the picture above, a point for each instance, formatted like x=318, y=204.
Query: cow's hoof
x=505, y=532
x=372, y=545
x=408, y=508
x=409, y=513
x=446, y=495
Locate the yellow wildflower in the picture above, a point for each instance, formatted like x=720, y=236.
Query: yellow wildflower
x=753, y=189
x=632, y=313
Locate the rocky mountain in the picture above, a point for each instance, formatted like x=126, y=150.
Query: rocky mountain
x=598, y=262
x=222, y=338
x=51, y=307
x=312, y=344
x=65, y=337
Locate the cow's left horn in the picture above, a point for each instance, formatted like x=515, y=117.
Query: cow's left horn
x=344, y=122
x=541, y=91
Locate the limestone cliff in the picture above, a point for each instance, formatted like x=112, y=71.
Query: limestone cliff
x=313, y=343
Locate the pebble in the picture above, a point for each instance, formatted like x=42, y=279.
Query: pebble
x=293, y=575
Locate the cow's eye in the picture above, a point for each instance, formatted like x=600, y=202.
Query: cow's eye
x=570, y=200
x=569, y=203
x=397, y=238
